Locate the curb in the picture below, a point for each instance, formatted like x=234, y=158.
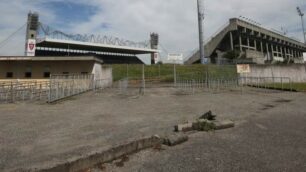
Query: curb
x=101, y=157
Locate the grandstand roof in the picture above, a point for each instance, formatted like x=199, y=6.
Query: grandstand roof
x=87, y=46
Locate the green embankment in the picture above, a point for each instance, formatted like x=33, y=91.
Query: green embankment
x=288, y=86
x=166, y=72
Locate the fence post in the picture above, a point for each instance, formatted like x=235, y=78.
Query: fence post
x=207, y=83
x=143, y=79
x=159, y=71
x=291, y=89
x=192, y=84
x=127, y=70
x=174, y=74
x=12, y=92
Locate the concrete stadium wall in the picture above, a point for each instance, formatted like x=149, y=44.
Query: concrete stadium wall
x=38, y=68
x=296, y=72
x=103, y=73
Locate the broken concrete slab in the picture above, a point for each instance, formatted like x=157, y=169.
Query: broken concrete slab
x=86, y=161
x=175, y=139
x=183, y=127
x=219, y=125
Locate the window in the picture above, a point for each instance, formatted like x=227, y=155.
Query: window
x=9, y=75
x=46, y=74
x=84, y=73
x=66, y=73
x=28, y=74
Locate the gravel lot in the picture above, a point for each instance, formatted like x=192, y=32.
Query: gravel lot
x=269, y=136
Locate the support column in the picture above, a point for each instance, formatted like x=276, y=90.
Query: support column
x=240, y=42
x=232, y=41
x=248, y=41
x=268, y=53
x=281, y=49
x=261, y=47
x=272, y=52
x=255, y=44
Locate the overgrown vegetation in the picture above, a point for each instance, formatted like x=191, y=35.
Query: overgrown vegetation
x=205, y=125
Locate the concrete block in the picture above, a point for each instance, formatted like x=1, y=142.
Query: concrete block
x=219, y=125
x=183, y=127
x=175, y=139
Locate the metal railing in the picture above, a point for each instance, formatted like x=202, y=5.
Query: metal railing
x=21, y=91
x=63, y=86
x=207, y=84
x=280, y=83
x=56, y=88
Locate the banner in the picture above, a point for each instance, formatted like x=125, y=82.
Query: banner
x=31, y=47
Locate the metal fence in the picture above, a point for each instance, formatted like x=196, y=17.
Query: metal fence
x=21, y=91
x=63, y=86
x=102, y=83
x=56, y=88
x=219, y=84
x=206, y=84
x=131, y=77
x=280, y=83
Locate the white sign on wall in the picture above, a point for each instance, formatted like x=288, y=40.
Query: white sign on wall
x=243, y=68
x=31, y=47
x=175, y=57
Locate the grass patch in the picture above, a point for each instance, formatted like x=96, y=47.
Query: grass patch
x=300, y=87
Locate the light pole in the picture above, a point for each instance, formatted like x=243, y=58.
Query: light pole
x=201, y=31
x=303, y=29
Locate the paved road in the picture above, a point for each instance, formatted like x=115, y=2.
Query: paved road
x=40, y=135
x=272, y=139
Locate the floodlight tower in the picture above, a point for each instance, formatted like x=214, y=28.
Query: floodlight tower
x=301, y=14
x=200, y=4
x=31, y=33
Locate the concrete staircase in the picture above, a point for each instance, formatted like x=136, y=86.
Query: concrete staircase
x=212, y=44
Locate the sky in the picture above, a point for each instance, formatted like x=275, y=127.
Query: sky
x=174, y=20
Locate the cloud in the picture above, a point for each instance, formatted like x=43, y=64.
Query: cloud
x=174, y=20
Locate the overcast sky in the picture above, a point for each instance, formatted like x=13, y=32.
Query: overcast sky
x=174, y=20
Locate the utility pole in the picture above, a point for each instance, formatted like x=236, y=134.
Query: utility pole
x=201, y=30
x=301, y=14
